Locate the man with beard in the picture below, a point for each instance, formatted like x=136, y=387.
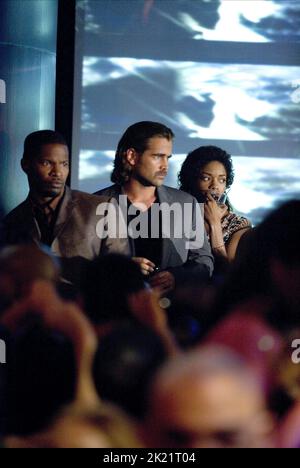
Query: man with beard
x=154, y=212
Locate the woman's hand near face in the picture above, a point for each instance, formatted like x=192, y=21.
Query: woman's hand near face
x=213, y=213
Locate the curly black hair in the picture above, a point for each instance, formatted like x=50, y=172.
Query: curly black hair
x=196, y=160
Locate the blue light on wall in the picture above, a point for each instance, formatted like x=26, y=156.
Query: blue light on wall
x=27, y=70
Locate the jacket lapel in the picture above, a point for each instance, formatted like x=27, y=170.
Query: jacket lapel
x=65, y=213
x=126, y=245
x=30, y=222
x=163, y=197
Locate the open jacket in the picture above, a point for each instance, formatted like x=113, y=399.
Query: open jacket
x=177, y=256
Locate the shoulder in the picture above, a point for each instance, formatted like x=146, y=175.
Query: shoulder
x=87, y=199
x=110, y=191
x=234, y=219
x=175, y=195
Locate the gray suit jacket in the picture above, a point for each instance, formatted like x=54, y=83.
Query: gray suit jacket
x=176, y=256
x=75, y=239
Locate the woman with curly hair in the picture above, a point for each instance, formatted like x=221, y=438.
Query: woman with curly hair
x=207, y=174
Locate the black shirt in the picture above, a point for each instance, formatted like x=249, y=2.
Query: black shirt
x=149, y=243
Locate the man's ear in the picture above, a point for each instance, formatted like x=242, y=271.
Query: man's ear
x=131, y=156
x=25, y=165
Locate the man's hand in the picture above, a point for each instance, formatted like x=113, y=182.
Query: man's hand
x=145, y=265
x=163, y=281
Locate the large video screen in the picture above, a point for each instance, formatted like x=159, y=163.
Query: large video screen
x=224, y=73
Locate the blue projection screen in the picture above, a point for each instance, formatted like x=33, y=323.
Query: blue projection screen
x=225, y=73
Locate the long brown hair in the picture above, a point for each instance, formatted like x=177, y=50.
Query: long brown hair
x=136, y=136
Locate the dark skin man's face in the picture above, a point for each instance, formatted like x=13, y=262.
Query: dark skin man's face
x=47, y=172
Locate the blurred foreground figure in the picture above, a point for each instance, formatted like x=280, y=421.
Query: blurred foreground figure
x=125, y=362
x=20, y=266
x=104, y=427
x=257, y=309
x=268, y=270
x=52, y=401
x=207, y=399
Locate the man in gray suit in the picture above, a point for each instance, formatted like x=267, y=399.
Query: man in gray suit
x=53, y=215
x=140, y=167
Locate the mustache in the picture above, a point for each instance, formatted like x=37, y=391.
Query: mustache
x=162, y=173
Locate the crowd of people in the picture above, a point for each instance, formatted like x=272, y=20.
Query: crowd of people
x=144, y=315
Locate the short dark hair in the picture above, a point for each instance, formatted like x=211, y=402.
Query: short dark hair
x=196, y=160
x=125, y=380
x=36, y=140
x=105, y=285
x=136, y=136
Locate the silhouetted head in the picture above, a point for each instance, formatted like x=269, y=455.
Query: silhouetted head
x=269, y=266
x=20, y=266
x=125, y=363
x=207, y=399
x=106, y=285
x=41, y=377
